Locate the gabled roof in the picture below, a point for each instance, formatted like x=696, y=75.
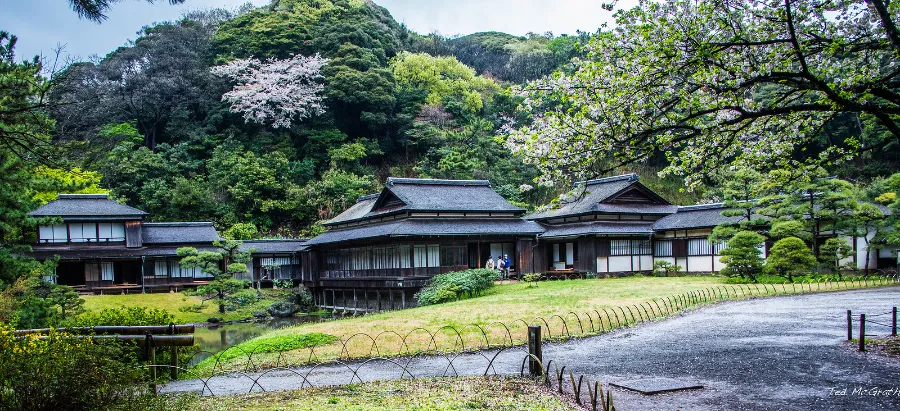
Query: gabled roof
x=429, y=227
x=178, y=233
x=419, y=194
x=695, y=216
x=622, y=194
x=86, y=206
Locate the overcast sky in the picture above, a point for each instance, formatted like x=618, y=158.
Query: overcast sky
x=42, y=24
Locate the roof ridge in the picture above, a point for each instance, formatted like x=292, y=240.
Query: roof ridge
x=272, y=240
x=367, y=197
x=629, y=177
x=180, y=224
x=701, y=207
x=61, y=196
x=436, y=181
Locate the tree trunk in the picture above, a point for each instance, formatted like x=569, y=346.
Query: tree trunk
x=221, y=302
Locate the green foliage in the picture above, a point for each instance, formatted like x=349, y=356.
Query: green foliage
x=222, y=265
x=126, y=316
x=242, y=298
x=451, y=286
x=241, y=231
x=63, y=372
x=531, y=278
x=446, y=79
x=833, y=251
x=278, y=343
x=790, y=257
x=665, y=269
x=742, y=256
x=790, y=228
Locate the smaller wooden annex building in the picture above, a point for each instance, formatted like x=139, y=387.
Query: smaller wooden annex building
x=106, y=246
x=380, y=251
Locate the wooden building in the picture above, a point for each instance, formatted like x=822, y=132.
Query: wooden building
x=379, y=252
x=105, y=246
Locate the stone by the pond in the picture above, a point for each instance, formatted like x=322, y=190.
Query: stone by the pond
x=260, y=314
x=658, y=385
x=283, y=309
x=214, y=320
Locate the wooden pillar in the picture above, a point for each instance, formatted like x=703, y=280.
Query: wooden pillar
x=355, y=301
x=403, y=298
x=378, y=297
x=366, y=297
x=392, y=298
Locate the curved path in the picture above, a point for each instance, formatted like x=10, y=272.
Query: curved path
x=778, y=353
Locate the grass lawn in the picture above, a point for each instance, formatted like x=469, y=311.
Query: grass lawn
x=172, y=302
x=469, y=393
x=503, y=303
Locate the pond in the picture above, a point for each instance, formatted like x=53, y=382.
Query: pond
x=215, y=338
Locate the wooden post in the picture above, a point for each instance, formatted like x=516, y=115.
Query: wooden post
x=535, y=356
x=174, y=360
x=894, y=323
x=150, y=350
x=849, y=326
x=862, y=332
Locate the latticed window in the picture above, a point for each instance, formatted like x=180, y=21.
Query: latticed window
x=663, y=248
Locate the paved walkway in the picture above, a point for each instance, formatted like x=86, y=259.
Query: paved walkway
x=780, y=353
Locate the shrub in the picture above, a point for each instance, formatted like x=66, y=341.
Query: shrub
x=665, y=269
x=531, y=278
x=123, y=316
x=193, y=308
x=282, y=284
x=789, y=257
x=242, y=298
x=451, y=286
x=742, y=256
x=65, y=373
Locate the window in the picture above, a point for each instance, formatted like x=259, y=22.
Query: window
x=718, y=247
x=160, y=268
x=111, y=232
x=107, y=272
x=53, y=233
x=91, y=272
x=663, y=248
x=175, y=269
x=699, y=246
x=434, y=255
x=271, y=267
x=405, y=259
x=420, y=256
x=620, y=247
x=640, y=247
x=83, y=232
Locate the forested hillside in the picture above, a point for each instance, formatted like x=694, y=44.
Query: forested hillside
x=149, y=120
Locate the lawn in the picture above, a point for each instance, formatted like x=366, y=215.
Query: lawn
x=563, y=308
x=469, y=393
x=173, y=302
x=410, y=331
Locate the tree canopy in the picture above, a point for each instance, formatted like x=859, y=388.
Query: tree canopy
x=711, y=83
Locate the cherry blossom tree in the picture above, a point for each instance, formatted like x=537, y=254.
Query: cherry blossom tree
x=711, y=82
x=275, y=91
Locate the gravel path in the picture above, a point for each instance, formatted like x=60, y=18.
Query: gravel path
x=779, y=353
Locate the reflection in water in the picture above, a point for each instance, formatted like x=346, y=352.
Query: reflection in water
x=217, y=338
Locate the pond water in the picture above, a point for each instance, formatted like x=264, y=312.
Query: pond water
x=215, y=338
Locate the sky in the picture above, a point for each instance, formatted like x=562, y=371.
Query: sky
x=42, y=25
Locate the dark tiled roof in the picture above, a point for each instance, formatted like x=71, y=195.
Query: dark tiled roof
x=179, y=233
x=274, y=246
x=83, y=252
x=432, y=226
x=356, y=211
x=697, y=216
x=419, y=194
x=588, y=196
x=598, y=228
x=87, y=205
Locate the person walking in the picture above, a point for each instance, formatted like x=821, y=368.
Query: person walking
x=500, y=266
x=490, y=263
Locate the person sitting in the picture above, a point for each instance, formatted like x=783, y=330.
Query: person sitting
x=490, y=263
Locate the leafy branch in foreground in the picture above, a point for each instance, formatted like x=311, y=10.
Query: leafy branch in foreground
x=710, y=83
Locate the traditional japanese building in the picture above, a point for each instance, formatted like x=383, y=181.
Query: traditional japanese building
x=384, y=248
x=105, y=246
